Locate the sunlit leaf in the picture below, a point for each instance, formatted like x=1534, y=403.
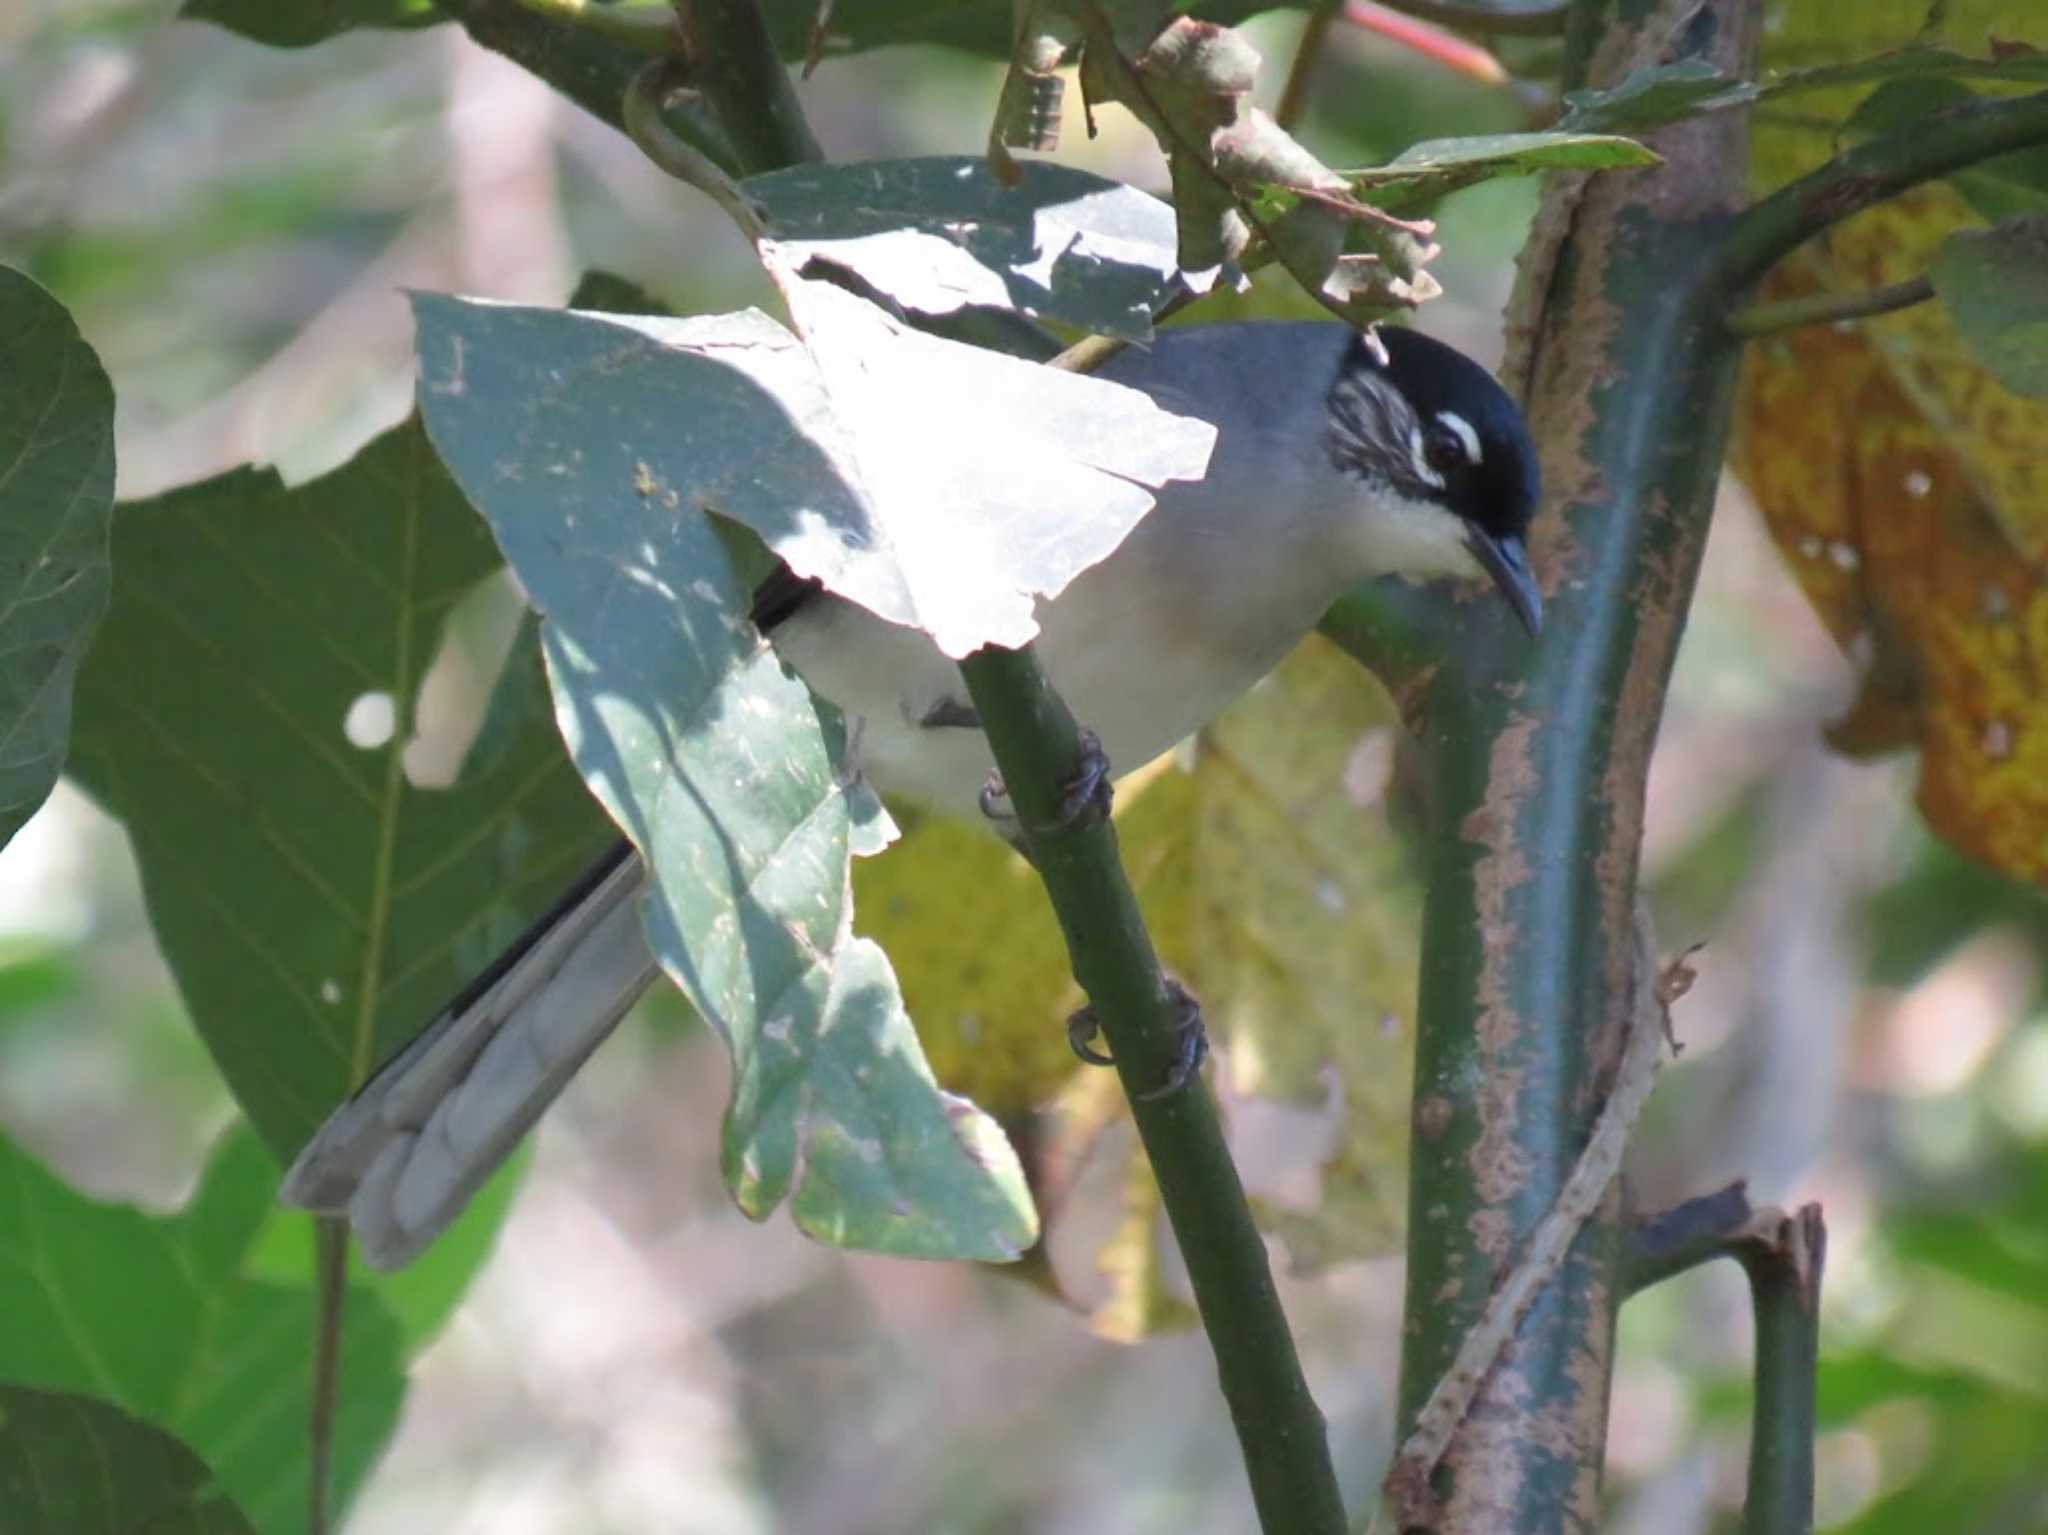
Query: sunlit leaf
x=56, y=488
x=941, y=233
x=593, y=449
x=74, y=1465
x=158, y=1317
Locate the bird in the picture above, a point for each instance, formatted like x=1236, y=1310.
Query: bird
x=1339, y=456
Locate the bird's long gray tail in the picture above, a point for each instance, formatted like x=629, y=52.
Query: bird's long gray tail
x=403, y=1156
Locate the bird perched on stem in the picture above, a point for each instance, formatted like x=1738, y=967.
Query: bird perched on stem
x=1338, y=457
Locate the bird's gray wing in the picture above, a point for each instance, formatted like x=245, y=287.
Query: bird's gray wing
x=403, y=1156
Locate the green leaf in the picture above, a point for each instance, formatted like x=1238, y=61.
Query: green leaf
x=719, y=763
x=1660, y=94
x=315, y=906
x=56, y=487
x=1995, y=283
x=301, y=23
x=73, y=1465
x=1668, y=92
x=1437, y=167
x=940, y=233
x=158, y=1317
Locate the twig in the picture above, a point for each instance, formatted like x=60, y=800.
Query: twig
x=1426, y=39
x=1822, y=308
x=1598, y=1165
x=641, y=117
x=1782, y=1256
x=1684, y=1237
x=1865, y=175
x=734, y=64
x=1037, y=747
x=1308, y=58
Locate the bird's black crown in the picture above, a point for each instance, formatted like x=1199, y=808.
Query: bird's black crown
x=1436, y=425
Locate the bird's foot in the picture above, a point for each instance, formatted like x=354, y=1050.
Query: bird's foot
x=1083, y=1026
x=1089, y=793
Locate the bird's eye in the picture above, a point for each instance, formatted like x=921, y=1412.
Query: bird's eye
x=1444, y=450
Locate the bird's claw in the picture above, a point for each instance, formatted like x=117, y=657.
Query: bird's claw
x=1083, y=1026
x=1089, y=792
x=991, y=798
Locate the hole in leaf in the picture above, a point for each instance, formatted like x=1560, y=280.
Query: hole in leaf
x=370, y=721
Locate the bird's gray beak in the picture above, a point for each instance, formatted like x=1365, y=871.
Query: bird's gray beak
x=1507, y=561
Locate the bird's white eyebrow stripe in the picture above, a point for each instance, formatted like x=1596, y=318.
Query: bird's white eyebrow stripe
x=1419, y=456
x=1466, y=435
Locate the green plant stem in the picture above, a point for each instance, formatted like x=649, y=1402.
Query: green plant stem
x=733, y=63
x=1868, y=174
x=1308, y=58
x=645, y=29
x=589, y=68
x=1826, y=308
x=330, y=1267
x=1037, y=746
x=1784, y=1271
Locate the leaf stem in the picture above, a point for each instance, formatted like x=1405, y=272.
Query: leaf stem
x=648, y=29
x=1823, y=308
x=1038, y=748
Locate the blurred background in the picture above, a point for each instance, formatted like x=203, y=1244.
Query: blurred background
x=232, y=227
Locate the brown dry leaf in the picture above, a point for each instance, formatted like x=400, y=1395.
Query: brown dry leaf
x=1883, y=524
x=1904, y=485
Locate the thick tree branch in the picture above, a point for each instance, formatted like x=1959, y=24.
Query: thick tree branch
x=1038, y=748
x=1827, y=308
x=1536, y=761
